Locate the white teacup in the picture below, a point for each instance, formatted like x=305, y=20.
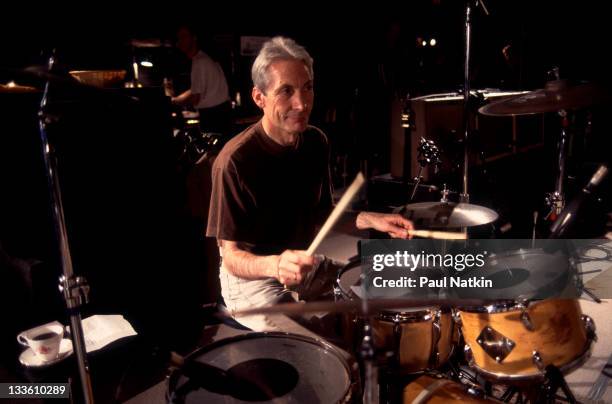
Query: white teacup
x=44, y=340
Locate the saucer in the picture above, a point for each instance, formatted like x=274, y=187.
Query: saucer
x=29, y=359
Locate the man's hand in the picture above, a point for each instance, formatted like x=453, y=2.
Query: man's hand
x=393, y=224
x=293, y=265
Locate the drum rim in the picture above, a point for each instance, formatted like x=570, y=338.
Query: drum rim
x=347, y=362
x=508, y=305
x=425, y=314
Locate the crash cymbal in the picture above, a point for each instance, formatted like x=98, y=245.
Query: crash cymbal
x=557, y=95
x=356, y=305
x=447, y=214
x=12, y=87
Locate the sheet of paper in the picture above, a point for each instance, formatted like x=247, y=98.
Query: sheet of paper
x=101, y=330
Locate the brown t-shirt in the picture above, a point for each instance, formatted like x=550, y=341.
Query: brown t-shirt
x=267, y=196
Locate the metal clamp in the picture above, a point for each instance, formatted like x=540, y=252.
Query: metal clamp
x=75, y=290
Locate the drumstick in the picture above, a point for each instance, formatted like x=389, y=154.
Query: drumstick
x=445, y=235
x=335, y=215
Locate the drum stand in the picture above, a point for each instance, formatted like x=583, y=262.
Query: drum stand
x=370, y=393
x=547, y=393
x=74, y=288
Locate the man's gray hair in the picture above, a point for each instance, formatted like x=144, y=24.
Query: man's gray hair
x=277, y=48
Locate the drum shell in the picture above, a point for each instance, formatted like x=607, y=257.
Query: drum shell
x=558, y=335
x=436, y=390
x=412, y=336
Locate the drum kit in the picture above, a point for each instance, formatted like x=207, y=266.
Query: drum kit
x=444, y=351
x=435, y=350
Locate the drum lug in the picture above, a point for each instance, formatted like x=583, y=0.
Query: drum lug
x=525, y=319
x=457, y=317
x=469, y=356
x=589, y=326
x=436, y=333
x=495, y=344
x=537, y=360
x=337, y=294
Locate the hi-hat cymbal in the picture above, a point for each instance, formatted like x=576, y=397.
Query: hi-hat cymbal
x=447, y=214
x=356, y=305
x=557, y=95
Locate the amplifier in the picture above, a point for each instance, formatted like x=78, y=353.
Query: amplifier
x=438, y=117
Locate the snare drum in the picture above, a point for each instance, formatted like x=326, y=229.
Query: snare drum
x=285, y=368
x=433, y=389
x=513, y=341
x=420, y=338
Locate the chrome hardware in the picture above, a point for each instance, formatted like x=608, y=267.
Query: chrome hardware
x=495, y=344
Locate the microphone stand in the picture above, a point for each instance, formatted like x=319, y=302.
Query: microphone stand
x=74, y=288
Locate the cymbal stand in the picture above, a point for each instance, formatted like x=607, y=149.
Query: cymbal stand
x=74, y=288
x=556, y=199
x=465, y=196
x=367, y=353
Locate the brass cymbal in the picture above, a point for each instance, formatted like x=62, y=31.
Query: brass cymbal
x=447, y=214
x=356, y=305
x=12, y=87
x=555, y=96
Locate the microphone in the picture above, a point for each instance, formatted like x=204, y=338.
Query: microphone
x=568, y=215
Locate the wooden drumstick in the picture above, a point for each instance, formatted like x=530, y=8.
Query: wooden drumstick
x=445, y=235
x=335, y=215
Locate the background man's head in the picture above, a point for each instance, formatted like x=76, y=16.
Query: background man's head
x=187, y=40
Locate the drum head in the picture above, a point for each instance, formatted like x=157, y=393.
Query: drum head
x=525, y=274
x=292, y=368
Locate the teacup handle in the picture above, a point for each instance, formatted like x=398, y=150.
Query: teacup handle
x=21, y=339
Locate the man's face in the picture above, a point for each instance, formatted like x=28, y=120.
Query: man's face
x=288, y=100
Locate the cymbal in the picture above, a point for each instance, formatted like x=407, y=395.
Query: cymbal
x=356, y=305
x=150, y=43
x=12, y=87
x=555, y=96
x=447, y=214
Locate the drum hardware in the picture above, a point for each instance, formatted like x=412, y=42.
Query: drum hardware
x=557, y=96
x=75, y=289
x=495, y=344
x=434, y=358
x=537, y=360
x=429, y=154
x=524, y=316
x=370, y=369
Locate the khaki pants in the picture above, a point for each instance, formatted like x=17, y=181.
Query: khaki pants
x=240, y=294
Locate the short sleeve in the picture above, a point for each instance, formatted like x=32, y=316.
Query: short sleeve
x=228, y=204
x=198, y=77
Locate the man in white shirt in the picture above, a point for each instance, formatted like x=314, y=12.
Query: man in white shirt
x=209, y=91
